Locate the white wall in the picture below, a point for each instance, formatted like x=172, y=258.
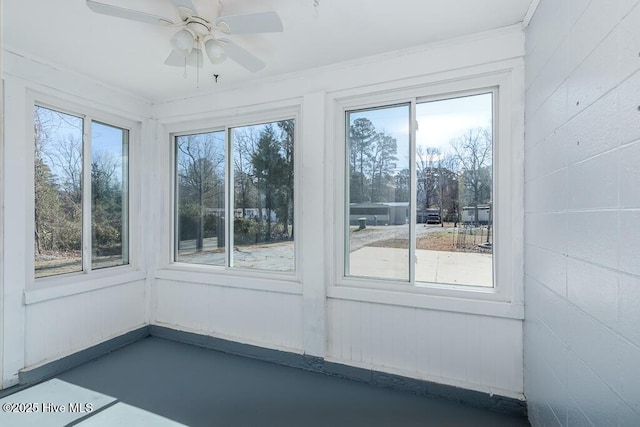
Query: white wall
x=43, y=325
x=270, y=319
x=471, y=351
x=582, y=203
x=1, y=208
x=480, y=351
x=60, y=326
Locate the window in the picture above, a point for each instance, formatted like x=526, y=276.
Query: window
x=378, y=155
x=420, y=197
x=200, y=166
x=235, y=198
x=81, y=194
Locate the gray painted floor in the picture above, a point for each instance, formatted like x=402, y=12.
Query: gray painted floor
x=200, y=387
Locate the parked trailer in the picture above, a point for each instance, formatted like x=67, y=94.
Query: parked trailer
x=469, y=215
x=391, y=213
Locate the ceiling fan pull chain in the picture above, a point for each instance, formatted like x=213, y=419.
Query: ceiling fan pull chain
x=185, y=75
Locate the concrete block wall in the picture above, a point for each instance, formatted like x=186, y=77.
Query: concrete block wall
x=582, y=213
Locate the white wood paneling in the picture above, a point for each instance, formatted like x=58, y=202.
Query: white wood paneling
x=476, y=352
x=62, y=326
x=314, y=291
x=14, y=235
x=1, y=210
x=58, y=321
x=267, y=319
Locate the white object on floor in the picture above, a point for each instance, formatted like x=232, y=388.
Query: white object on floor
x=122, y=414
x=52, y=403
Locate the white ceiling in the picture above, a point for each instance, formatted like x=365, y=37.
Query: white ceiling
x=130, y=55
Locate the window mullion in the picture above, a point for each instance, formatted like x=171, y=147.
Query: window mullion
x=126, y=200
x=346, y=271
x=228, y=188
x=176, y=198
x=412, y=192
x=86, y=195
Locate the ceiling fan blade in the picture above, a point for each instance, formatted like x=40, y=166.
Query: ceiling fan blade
x=242, y=56
x=120, y=12
x=185, y=8
x=261, y=22
x=176, y=59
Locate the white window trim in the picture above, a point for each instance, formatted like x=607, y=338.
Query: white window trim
x=505, y=298
x=227, y=276
x=57, y=286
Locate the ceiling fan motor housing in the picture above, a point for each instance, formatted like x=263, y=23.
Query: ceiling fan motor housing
x=200, y=26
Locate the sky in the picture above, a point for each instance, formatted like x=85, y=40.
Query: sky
x=438, y=122
x=106, y=139
x=441, y=121
x=395, y=122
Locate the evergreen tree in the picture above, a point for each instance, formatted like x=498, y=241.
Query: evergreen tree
x=270, y=171
x=362, y=135
x=285, y=210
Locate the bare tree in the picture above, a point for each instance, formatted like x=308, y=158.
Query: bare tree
x=201, y=172
x=447, y=183
x=244, y=147
x=474, y=152
x=58, y=186
x=426, y=159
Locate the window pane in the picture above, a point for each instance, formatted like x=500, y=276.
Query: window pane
x=109, y=196
x=58, y=192
x=454, y=161
x=378, y=193
x=200, y=167
x=263, y=196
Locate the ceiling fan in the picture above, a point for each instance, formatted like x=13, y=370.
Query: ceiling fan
x=197, y=34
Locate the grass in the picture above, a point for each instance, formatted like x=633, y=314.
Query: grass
x=438, y=241
x=54, y=263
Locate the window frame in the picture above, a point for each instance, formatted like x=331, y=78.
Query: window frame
x=224, y=123
x=43, y=288
x=174, y=191
x=505, y=297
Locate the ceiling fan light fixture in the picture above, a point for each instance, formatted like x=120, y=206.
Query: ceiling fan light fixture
x=184, y=41
x=215, y=51
x=194, y=34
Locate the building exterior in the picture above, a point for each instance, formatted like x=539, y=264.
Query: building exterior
x=392, y=213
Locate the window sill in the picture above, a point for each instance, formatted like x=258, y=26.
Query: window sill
x=50, y=288
x=252, y=280
x=419, y=297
